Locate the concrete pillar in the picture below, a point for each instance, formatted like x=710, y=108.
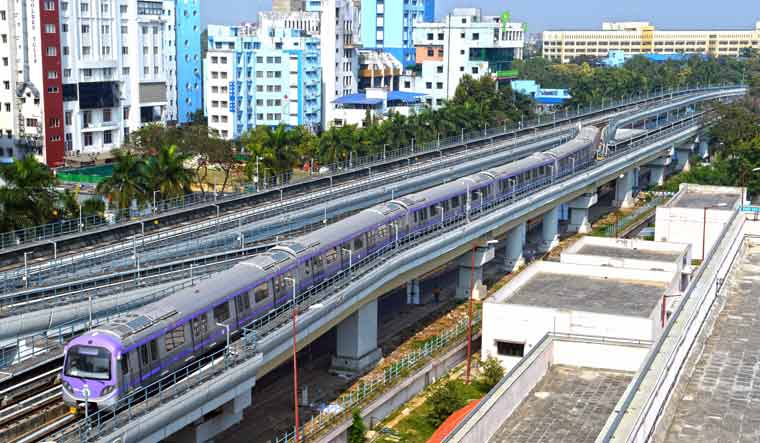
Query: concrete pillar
x=206, y=428
x=624, y=190
x=704, y=149
x=549, y=230
x=513, y=259
x=357, y=347
x=471, y=277
x=579, y=221
x=413, y=292
x=683, y=154
x=658, y=170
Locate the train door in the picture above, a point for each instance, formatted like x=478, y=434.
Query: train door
x=125, y=372
x=200, y=330
x=222, y=316
x=317, y=269
x=330, y=262
x=242, y=307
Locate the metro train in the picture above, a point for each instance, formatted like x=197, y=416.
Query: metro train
x=139, y=347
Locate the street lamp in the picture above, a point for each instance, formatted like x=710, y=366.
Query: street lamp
x=227, y=333
x=704, y=225
x=350, y=255
x=469, y=315
x=154, y=200
x=258, y=179
x=55, y=249
x=295, y=354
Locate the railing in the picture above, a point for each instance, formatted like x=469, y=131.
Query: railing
x=620, y=224
x=36, y=344
x=668, y=378
x=78, y=225
x=105, y=421
x=372, y=387
x=98, y=260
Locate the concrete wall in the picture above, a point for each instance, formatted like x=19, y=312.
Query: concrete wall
x=402, y=393
x=685, y=225
x=528, y=324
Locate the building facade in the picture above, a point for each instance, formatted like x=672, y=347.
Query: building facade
x=464, y=43
x=642, y=37
x=269, y=78
x=339, y=43
x=389, y=25
x=81, y=76
x=188, y=47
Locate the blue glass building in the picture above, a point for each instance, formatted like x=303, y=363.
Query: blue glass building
x=275, y=78
x=189, y=71
x=389, y=25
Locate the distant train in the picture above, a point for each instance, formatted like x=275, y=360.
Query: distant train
x=136, y=349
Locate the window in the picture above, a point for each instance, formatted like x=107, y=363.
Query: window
x=88, y=139
x=358, y=243
x=49, y=29
x=49, y=5
x=86, y=51
x=242, y=303
x=144, y=355
x=439, y=85
x=439, y=69
x=510, y=349
x=125, y=70
x=474, y=69
x=429, y=85
x=430, y=52
x=6, y=84
x=200, y=326
x=123, y=9
x=87, y=72
x=222, y=312
x=84, y=7
x=52, y=75
x=153, y=350
x=54, y=123
x=174, y=339
x=31, y=122
x=65, y=50
x=107, y=138
x=475, y=36
x=430, y=36
x=125, y=363
x=106, y=115
x=124, y=29
x=85, y=28
x=105, y=29
x=67, y=117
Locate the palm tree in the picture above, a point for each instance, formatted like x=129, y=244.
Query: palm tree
x=167, y=174
x=127, y=182
x=27, y=196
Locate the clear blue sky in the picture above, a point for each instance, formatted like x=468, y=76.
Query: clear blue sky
x=547, y=14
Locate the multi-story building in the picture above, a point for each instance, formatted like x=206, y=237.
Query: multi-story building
x=85, y=74
x=339, y=42
x=188, y=46
x=268, y=78
x=642, y=38
x=389, y=25
x=464, y=43
x=379, y=69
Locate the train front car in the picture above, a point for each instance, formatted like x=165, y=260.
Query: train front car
x=90, y=372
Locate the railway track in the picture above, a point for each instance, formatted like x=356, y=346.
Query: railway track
x=33, y=408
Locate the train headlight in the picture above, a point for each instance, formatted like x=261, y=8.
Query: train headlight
x=67, y=386
x=107, y=390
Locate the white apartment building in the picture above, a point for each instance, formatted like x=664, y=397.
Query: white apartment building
x=464, y=43
x=339, y=43
x=642, y=37
x=78, y=76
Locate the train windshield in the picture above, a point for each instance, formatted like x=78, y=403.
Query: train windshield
x=88, y=362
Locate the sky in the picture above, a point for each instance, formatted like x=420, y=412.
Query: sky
x=553, y=14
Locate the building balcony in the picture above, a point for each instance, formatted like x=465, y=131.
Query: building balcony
x=100, y=126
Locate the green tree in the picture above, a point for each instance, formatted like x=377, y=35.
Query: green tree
x=27, y=194
x=358, y=429
x=126, y=183
x=444, y=400
x=493, y=372
x=166, y=172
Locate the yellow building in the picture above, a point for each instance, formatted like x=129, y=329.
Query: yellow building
x=642, y=37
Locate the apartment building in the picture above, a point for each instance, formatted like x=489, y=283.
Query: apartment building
x=464, y=43
x=389, y=25
x=268, y=78
x=339, y=42
x=642, y=37
x=81, y=75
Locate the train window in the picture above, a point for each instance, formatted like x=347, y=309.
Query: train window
x=242, y=303
x=358, y=243
x=200, y=325
x=260, y=293
x=422, y=215
x=331, y=256
x=317, y=262
x=455, y=202
x=222, y=312
x=144, y=354
x=124, y=363
x=153, y=350
x=382, y=232
x=370, y=238
x=174, y=338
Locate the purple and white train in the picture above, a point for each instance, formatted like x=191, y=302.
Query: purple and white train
x=134, y=350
